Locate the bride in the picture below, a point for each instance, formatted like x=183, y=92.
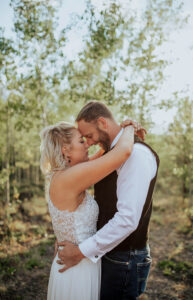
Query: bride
x=74, y=212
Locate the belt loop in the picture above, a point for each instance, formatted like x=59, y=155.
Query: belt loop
x=131, y=251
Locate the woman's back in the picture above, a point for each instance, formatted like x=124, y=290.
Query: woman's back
x=77, y=225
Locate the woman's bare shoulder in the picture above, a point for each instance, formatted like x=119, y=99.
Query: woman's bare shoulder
x=59, y=180
x=61, y=193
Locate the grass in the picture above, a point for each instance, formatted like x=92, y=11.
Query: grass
x=8, y=267
x=25, y=275
x=42, y=250
x=27, y=247
x=177, y=270
x=157, y=219
x=34, y=263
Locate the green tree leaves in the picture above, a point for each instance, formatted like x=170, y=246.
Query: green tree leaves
x=119, y=64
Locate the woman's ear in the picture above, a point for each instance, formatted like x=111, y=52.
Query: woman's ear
x=102, y=123
x=63, y=150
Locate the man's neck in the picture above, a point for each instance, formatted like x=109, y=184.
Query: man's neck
x=113, y=131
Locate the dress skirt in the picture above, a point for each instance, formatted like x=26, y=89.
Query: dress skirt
x=81, y=282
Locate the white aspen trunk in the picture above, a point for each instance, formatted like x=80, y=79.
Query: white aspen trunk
x=8, y=157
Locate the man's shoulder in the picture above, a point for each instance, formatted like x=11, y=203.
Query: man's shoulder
x=139, y=154
x=141, y=158
x=141, y=149
x=142, y=153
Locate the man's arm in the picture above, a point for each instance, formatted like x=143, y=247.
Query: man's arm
x=132, y=187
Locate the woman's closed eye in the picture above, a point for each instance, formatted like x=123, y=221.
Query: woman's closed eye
x=82, y=140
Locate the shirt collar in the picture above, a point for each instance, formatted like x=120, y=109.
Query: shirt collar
x=116, y=138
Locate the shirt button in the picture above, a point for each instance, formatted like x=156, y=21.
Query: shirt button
x=96, y=256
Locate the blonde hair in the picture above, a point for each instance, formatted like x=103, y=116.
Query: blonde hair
x=53, y=138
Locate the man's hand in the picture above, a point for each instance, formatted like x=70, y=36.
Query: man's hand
x=139, y=130
x=69, y=256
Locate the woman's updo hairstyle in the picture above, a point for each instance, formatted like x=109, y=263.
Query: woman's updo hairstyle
x=53, y=138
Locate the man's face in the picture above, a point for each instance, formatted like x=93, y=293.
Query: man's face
x=94, y=134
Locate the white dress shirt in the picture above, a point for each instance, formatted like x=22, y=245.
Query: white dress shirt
x=133, y=181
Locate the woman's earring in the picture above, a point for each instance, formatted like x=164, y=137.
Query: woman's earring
x=69, y=160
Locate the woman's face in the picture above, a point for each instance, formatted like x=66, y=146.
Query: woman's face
x=79, y=149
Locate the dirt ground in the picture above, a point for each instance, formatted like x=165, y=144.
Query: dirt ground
x=26, y=254
x=170, y=240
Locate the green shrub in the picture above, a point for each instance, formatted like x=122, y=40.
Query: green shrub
x=177, y=270
x=7, y=267
x=34, y=263
x=42, y=251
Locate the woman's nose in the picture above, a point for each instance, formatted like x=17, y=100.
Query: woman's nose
x=86, y=145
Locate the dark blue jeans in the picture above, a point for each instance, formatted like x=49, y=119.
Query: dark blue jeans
x=124, y=274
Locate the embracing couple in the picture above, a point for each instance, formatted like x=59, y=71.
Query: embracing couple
x=102, y=249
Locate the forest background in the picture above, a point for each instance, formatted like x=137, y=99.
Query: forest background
x=120, y=60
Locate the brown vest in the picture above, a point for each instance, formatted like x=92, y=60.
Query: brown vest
x=105, y=195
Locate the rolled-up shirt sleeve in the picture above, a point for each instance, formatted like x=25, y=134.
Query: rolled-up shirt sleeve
x=133, y=182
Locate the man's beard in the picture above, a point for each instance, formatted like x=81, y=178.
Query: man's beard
x=104, y=140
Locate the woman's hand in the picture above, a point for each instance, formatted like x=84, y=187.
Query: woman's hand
x=139, y=130
x=126, y=140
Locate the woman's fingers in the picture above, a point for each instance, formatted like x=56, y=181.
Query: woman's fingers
x=127, y=123
x=141, y=133
x=139, y=130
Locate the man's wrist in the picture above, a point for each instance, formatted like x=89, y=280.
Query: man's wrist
x=79, y=253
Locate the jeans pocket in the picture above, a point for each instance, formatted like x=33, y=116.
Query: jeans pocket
x=143, y=269
x=116, y=261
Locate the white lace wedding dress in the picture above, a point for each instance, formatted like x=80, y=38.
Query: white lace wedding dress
x=81, y=282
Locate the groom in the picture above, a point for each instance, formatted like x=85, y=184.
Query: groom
x=125, y=204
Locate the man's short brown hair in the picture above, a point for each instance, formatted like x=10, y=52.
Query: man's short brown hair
x=92, y=111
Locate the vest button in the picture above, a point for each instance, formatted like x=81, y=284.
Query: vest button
x=96, y=256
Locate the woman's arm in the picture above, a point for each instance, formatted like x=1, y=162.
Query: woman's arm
x=138, y=129
x=81, y=176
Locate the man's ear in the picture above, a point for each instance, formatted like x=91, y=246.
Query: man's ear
x=102, y=123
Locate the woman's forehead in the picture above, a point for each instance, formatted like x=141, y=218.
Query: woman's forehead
x=78, y=133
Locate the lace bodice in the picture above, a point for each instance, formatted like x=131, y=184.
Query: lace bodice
x=75, y=226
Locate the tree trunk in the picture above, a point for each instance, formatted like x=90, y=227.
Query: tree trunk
x=190, y=186
x=8, y=156
x=37, y=179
